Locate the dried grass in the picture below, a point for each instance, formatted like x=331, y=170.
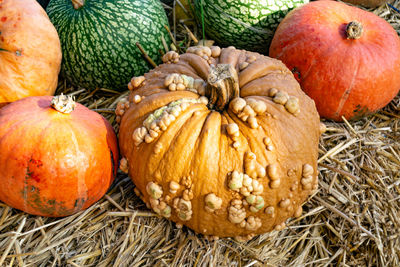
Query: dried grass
x=353, y=219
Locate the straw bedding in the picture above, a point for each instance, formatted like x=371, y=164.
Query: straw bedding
x=353, y=219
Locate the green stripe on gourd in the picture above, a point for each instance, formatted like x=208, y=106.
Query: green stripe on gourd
x=99, y=39
x=245, y=24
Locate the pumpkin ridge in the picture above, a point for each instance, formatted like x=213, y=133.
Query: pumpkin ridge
x=150, y=102
x=182, y=67
x=244, y=143
x=198, y=63
x=231, y=56
x=177, y=135
x=259, y=68
x=157, y=159
x=347, y=91
x=248, y=134
x=201, y=161
x=263, y=91
x=321, y=55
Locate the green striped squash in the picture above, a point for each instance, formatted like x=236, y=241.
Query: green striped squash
x=98, y=39
x=245, y=24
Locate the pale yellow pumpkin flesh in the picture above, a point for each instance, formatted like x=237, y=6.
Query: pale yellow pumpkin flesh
x=236, y=172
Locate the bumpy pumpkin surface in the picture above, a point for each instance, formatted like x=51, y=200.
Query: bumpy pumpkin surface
x=222, y=141
x=54, y=163
x=345, y=58
x=30, y=52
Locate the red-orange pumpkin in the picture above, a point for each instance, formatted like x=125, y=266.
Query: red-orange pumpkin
x=53, y=163
x=345, y=58
x=30, y=51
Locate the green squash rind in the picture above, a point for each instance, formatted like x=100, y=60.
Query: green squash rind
x=245, y=24
x=99, y=39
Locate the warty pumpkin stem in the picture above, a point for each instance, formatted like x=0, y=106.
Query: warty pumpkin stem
x=222, y=86
x=78, y=3
x=62, y=103
x=354, y=30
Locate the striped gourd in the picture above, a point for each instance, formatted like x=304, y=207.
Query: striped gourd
x=98, y=39
x=246, y=24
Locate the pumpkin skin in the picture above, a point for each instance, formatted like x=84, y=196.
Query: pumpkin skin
x=30, y=51
x=345, y=77
x=187, y=172
x=51, y=163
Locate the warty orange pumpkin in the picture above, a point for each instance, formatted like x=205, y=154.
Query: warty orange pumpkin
x=30, y=51
x=220, y=140
x=57, y=157
x=345, y=58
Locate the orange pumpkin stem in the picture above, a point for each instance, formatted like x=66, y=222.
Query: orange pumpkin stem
x=78, y=3
x=222, y=86
x=354, y=30
x=62, y=103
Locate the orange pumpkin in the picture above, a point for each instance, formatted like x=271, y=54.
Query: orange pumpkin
x=220, y=140
x=54, y=163
x=345, y=58
x=30, y=51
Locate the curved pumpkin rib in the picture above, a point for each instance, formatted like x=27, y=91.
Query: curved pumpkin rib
x=154, y=161
x=347, y=90
x=204, y=163
x=107, y=172
x=281, y=81
x=182, y=67
x=199, y=64
x=185, y=130
x=269, y=158
x=231, y=56
x=153, y=102
x=258, y=69
x=256, y=146
x=81, y=190
x=235, y=154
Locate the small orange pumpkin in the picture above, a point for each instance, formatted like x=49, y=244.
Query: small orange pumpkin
x=221, y=140
x=30, y=51
x=54, y=161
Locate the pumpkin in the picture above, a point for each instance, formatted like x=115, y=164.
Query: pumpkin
x=30, y=52
x=345, y=58
x=57, y=157
x=220, y=140
x=245, y=24
x=99, y=38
